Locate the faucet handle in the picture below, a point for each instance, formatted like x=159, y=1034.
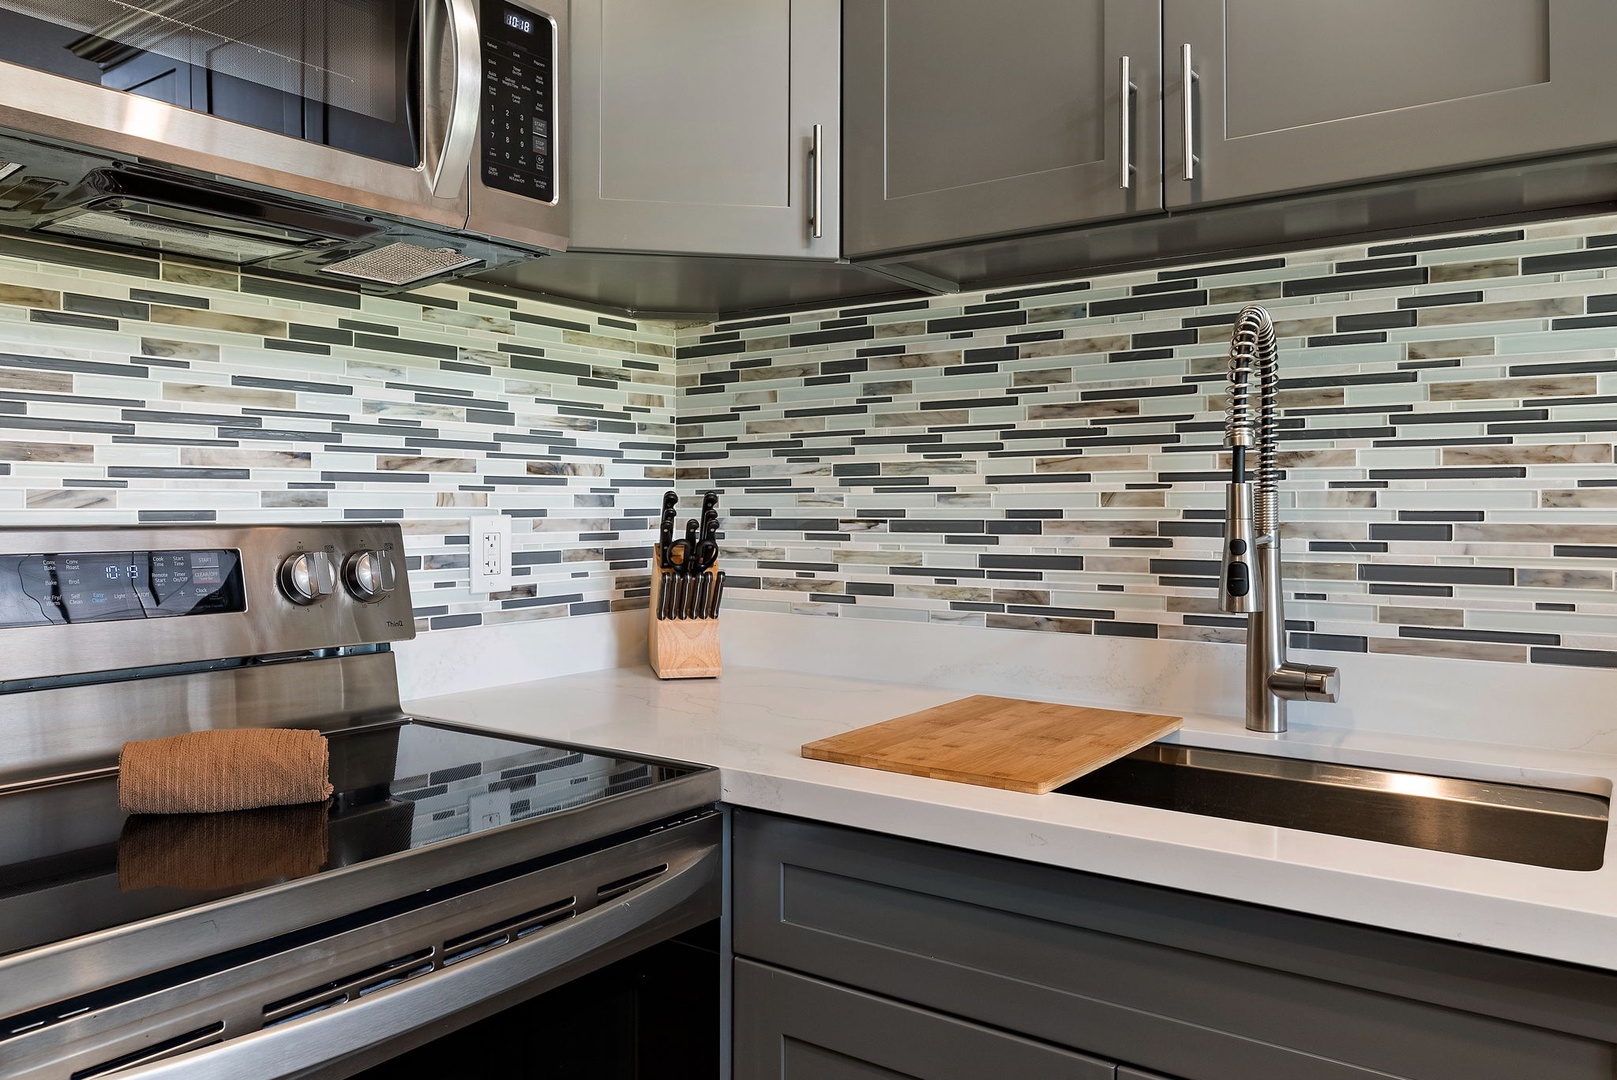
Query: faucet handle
x=1303, y=682
x=1240, y=587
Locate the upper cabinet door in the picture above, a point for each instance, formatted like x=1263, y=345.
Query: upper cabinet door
x=1288, y=96
x=694, y=125
x=973, y=118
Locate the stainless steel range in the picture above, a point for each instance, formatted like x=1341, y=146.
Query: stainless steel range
x=453, y=874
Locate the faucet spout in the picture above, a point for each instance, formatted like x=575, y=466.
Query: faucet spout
x=1250, y=582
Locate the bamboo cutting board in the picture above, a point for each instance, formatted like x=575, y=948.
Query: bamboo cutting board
x=1029, y=746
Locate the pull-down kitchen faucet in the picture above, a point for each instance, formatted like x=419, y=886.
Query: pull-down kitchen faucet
x=1251, y=579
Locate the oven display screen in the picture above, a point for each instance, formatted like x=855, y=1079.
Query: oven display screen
x=518, y=21
x=113, y=586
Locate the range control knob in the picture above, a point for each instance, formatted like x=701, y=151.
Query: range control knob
x=307, y=577
x=369, y=575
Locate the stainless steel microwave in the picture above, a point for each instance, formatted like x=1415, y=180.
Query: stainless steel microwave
x=443, y=115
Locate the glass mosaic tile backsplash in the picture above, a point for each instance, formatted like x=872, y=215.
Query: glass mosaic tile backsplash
x=1044, y=458
x=1049, y=458
x=136, y=390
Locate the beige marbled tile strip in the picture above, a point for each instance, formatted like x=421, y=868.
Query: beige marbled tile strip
x=1500, y=311
x=70, y=499
x=210, y=277
x=170, y=349
x=1072, y=410
x=431, y=464
x=1074, y=346
x=1133, y=498
x=1594, y=453
x=1450, y=347
x=1450, y=650
x=290, y=500
x=1047, y=623
x=76, y=453
x=1601, y=498
x=237, y=457
x=1475, y=269
x=228, y=395
x=23, y=296
x=933, y=418
x=217, y=320
x=1523, y=388
x=1085, y=463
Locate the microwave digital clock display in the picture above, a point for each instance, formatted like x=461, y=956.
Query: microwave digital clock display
x=517, y=21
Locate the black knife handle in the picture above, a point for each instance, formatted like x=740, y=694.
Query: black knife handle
x=718, y=593
x=700, y=606
x=688, y=564
x=665, y=539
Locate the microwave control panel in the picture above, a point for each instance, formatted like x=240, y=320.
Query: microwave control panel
x=519, y=100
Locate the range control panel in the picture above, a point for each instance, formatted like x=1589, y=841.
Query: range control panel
x=519, y=100
x=113, y=597
x=108, y=586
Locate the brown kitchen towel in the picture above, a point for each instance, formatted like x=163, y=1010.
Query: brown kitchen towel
x=226, y=769
x=221, y=851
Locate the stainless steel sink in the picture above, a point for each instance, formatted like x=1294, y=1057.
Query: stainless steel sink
x=1565, y=830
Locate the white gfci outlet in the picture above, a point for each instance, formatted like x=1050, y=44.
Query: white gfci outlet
x=491, y=553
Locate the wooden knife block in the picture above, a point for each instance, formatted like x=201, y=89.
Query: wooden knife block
x=681, y=648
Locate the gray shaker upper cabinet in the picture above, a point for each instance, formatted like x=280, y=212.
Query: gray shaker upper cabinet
x=968, y=119
x=694, y=127
x=1288, y=96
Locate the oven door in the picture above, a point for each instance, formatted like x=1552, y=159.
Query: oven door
x=332, y=99
x=343, y=996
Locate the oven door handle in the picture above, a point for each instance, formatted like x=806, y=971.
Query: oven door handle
x=464, y=94
x=304, y=1047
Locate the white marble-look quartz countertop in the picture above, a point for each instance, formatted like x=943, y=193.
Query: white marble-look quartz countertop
x=751, y=723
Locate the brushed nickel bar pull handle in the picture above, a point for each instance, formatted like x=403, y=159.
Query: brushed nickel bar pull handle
x=817, y=209
x=1189, y=78
x=1125, y=92
x=454, y=162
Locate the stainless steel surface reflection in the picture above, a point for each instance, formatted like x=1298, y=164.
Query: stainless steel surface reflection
x=453, y=872
x=1563, y=830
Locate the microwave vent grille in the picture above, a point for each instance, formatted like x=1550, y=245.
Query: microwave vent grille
x=400, y=264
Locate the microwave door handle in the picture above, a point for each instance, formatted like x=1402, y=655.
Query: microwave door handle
x=460, y=118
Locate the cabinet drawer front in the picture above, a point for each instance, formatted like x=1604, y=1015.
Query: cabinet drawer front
x=1186, y=985
x=791, y=1026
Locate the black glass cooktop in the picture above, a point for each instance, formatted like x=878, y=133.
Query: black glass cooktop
x=72, y=863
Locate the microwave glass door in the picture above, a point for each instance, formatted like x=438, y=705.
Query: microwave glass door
x=337, y=73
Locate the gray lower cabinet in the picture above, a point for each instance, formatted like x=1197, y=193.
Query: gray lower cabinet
x=968, y=119
x=1161, y=982
x=694, y=127
x=792, y=1026
x=1286, y=96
